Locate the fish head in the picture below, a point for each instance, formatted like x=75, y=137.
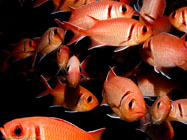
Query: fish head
x=19, y=129
x=141, y=32
x=73, y=71
x=178, y=20
x=63, y=56
x=56, y=35
x=122, y=10
x=30, y=45
x=160, y=109
x=87, y=100
x=132, y=106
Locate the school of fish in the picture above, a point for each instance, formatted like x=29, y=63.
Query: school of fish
x=108, y=24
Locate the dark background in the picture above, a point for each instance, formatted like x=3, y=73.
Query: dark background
x=19, y=87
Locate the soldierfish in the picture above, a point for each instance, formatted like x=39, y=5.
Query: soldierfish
x=78, y=99
x=178, y=111
x=100, y=10
x=160, y=109
x=23, y=49
x=43, y=128
x=159, y=51
x=64, y=4
x=50, y=41
x=124, y=97
x=178, y=19
x=63, y=54
x=117, y=32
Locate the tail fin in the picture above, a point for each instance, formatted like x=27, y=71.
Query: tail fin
x=47, y=85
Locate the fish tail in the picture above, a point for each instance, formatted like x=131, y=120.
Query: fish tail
x=79, y=33
x=39, y=2
x=47, y=86
x=97, y=133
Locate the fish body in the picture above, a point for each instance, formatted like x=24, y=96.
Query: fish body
x=63, y=55
x=64, y=4
x=160, y=109
x=100, y=10
x=77, y=99
x=178, y=19
x=124, y=97
x=160, y=52
x=50, y=41
x=117, y=32
x=46, y=128
x=178, y=111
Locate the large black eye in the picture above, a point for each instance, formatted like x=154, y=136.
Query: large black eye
x=55, y=31
x=59, y=50
x=18, y=130
x=158, y=104
x=144, y=29
x=131, y=103
x=173, y=14
x=30, y=43
x=89, y=99
x=124, y=9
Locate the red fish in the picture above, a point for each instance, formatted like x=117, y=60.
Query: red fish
x=100, y=10
x=124, y=97
x=63, y=53
x=160, y=109
x=128, y=32
x=77, y=99
x=23, y=49
x=43, y=128
x=64, y=4
x=50, y=41
x=178, y=111
x=178, y=19
x=159, y=51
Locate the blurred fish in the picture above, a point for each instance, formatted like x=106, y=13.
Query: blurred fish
x=75, y=70
x=43, y=128
x=154, y=84
x=63, y=53
x=117, y=32
x=152, y=9
x=178, y=111
x=50, y=41
x=160, y=109
x=100, y=10
x=23, y=49
x=64, y=4
x=159, y=51
x=124, y=97
x=178, y=19
x=77, y=99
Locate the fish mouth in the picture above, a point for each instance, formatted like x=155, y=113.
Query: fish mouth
x=3, y=134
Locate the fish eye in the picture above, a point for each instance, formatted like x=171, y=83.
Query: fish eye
x=30, y=43
x=144, y=29
x=59, y=50
x=158, y=104
x=55, y=31
x=124, y=9
x=173, y=14
x=89, y=99
x=131, y=103
x=18, y=130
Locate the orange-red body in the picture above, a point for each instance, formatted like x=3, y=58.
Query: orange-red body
x=124, y=97
x=63, y=57
x=118, y=32
x=178, y=19
x=160, y=109
x=178, y=111
x=165, y=50
x=50, y=41
x=64, y=4
x=78, y=99
x=100, y=10
x=46, y=128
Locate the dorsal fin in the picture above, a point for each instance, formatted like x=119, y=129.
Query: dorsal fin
x=96, y=134
x=110, y=74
